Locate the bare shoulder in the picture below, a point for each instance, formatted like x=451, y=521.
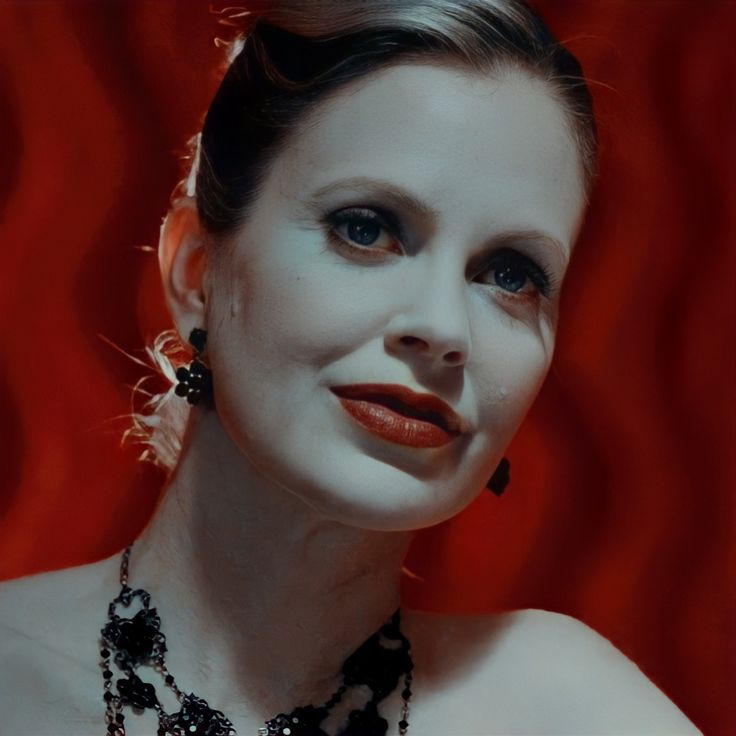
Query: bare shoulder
x=48, y=655
x=535, y=671
x=598, y=687
x=52, y=608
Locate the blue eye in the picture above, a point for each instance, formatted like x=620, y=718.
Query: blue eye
x=370, y=233
x=363, y=233
x=363, y=229
x=517, y=274
x=511, y=278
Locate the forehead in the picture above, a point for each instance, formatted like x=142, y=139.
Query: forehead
x=496, y=148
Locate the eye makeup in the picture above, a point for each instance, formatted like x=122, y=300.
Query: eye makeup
x=351, y=223
x=510, y=262
x=510, y=268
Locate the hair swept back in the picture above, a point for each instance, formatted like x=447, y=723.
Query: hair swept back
x=292, y=54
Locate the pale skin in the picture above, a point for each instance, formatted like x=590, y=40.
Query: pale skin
x=278, y=546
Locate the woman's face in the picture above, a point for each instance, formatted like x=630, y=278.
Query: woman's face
x=414, y=234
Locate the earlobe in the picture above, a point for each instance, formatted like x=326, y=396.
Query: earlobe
x=182, y=261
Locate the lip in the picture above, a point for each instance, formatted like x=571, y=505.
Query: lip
x=401, y=415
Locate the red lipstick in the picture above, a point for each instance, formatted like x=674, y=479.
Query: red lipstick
x=401, y=415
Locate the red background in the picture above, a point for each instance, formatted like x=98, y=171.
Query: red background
x=620, y=509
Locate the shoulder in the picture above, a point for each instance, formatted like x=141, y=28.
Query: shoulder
x=535, y=671
x=53, y=609
x=47, y=652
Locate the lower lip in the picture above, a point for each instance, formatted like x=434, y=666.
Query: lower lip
x=395, y=427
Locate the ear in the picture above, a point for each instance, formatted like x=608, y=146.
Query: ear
x=182, y=261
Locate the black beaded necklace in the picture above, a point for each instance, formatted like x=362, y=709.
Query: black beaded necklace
x=136, y=641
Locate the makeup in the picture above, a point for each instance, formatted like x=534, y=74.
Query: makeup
x=401, y=415
x=383, y=289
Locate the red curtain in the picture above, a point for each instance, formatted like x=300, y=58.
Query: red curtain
x=620, y=509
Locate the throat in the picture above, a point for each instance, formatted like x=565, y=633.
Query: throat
x=133, y=642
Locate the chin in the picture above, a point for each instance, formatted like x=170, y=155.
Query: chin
x=369, y=494
x=353, y=478
x=386, y=517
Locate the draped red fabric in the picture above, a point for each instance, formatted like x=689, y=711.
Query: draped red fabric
x=620, y=507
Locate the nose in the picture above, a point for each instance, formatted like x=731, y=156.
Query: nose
x=434, y=324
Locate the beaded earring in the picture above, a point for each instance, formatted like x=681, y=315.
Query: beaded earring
x=500, y=478
x=195, y=382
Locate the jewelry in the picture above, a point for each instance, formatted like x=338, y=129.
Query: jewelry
x=500, y=478
x=136, y=641
x=195, y=382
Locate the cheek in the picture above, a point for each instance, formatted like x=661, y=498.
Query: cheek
x=280, y=313
x=280, y=317
x=298, y=306
x=509, y=380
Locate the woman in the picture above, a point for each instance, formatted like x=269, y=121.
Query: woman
x=367, y=262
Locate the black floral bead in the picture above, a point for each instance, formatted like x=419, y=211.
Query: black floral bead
x=196, y=718
x=377, y=667
x=195, y=382
x=136, y=639
x=136, y=693
x=367, y=722
x=300, y=722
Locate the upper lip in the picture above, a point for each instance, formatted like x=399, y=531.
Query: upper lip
x=427, y=407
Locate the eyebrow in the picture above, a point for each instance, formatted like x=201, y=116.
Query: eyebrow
x=533, y=237
x=381, y=188
x=397, y=196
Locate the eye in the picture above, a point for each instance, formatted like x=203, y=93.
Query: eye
x=517, y=274
x=363, y=229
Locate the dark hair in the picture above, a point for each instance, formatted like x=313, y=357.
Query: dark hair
x=298, y=52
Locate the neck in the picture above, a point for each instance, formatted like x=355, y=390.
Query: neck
x=260, y=596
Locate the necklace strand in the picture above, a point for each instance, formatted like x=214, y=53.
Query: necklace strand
x=136, y=641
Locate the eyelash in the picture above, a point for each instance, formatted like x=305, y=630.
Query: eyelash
x=540, y=276
x=362, y=215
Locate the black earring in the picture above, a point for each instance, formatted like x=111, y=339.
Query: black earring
x=500, y=478
x=195, y=382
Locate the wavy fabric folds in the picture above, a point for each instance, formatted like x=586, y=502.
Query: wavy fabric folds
x=620, y=507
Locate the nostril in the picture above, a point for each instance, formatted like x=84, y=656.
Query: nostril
x=451, y=357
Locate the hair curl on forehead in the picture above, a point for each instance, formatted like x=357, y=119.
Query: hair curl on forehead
x=289, y=55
